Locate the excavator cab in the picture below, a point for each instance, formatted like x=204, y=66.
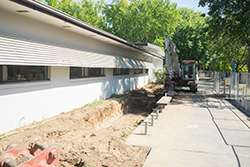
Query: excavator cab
x=189, y=70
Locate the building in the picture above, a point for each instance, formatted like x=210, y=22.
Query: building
x=51, y=62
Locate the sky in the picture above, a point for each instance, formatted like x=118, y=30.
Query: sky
x=193, y=4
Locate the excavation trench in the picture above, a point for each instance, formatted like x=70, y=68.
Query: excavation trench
x=95, y=135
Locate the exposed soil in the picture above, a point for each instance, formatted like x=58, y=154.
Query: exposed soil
x=96, y=135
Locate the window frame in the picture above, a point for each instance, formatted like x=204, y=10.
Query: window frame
x=27, y=70
x=80, y=72
x=39, y=71
x=115, y=71
x=1, y=74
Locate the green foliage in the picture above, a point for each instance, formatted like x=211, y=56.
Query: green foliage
x=191, y=39
x=2, y=137
x=228, y=50
x=159, y=76
x=73, y=111
x=34, y=123
x=85, y=10
x=98, y=152
x=37, y=124
x=160, y=41
x=229, y=27
x=213, y=41
x=115, y=96
x=141, y=20
x=231, y=17
x=135, y=20
x=137, y=121
x=127, y=92
x=89, y=165
x=126, y=132
x=96, y=103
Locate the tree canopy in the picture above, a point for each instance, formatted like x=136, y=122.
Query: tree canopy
x=214, y=40
x=230, y=24
x=85, y=10
x=190, y=37
x=141, y=20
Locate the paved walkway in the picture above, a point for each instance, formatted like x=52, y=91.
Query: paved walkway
x=197, y=130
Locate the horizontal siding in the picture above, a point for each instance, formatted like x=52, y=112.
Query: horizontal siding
x=16, y=50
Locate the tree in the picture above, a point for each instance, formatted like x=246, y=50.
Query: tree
x=230, y=18
x=227, y=50
x=134, y=21
x=141, y=20
x=85, y=10
x=191, y=39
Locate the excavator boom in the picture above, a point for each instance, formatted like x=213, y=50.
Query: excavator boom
x=175, y=77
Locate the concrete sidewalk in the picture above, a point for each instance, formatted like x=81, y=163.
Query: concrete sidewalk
x=196, y=130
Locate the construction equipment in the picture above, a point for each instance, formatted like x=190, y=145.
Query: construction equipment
x=30, y=153
x=175, y=77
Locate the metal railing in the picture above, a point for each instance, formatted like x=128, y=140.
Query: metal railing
x=206, y=74
x=234, y=85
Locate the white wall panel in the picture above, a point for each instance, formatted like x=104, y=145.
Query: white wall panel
x=26, y=51
x=27, y=102
x=47, y=36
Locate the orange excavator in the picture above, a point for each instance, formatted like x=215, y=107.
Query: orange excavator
x=176, y=76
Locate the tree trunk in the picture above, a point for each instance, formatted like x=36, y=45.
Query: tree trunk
x=248, y=65
x=236, y=66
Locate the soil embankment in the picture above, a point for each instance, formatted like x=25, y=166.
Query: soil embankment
x=95, y=134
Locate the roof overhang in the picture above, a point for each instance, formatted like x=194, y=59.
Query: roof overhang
x=18, y=50
x=151, y=47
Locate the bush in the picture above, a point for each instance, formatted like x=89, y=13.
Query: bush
x=159, y=76
x=115, y=96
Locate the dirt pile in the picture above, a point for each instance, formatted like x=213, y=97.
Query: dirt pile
x=95, y=134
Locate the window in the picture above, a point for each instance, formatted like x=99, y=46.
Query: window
x=188, y=71
x=146, y=71
x=120, y=71
x=138, y=71
x=82, y=72
x=10, y=73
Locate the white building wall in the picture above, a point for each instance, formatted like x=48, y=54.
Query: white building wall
x=24, y=103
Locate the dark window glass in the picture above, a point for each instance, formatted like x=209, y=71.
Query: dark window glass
x=120, y=71
x=42, y=72
x=188, y=71
x=146, y=71
x=11, y=73
x=82, y=72
x=1, y=74
x=33, y=72
x=21, y=73
x=36, y=73
x=75, y=72
x=138, y=71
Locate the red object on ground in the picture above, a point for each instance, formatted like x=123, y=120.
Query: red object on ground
x=30, y=153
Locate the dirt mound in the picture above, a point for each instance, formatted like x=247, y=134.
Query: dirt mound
x=95, y=134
